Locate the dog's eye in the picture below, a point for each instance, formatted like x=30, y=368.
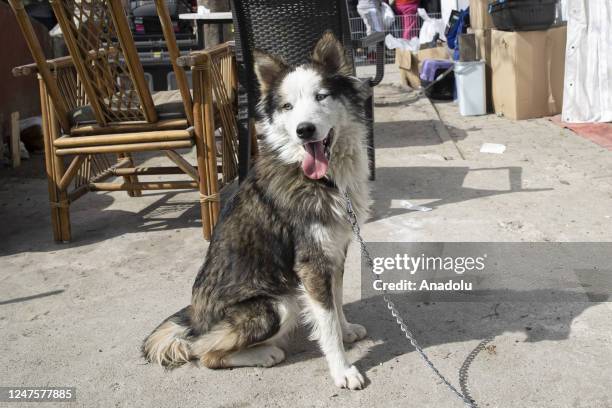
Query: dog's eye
x=321, y=96
x=287, y=106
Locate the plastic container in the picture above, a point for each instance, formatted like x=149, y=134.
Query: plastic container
x=471, y=89
x=523, y=15
x=444, y=89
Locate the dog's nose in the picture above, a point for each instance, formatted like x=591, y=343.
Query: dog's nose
x=305, y=130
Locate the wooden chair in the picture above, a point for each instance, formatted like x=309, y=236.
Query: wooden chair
x=97, y=111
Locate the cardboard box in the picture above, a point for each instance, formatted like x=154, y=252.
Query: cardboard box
x=410, y=63
x=480, y=19
x=483, y=53
x=528, y=72
x=409, y=69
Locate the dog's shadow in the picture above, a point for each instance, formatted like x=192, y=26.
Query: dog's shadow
x=438, y=323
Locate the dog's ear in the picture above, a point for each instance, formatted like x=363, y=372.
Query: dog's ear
x=267, y=68
x=330, y=55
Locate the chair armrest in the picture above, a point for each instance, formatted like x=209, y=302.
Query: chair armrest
x=371, y=39
x=377, y=39
x=54, y=64
x=198, y=58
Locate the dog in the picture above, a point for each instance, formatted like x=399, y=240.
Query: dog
x=278, y=250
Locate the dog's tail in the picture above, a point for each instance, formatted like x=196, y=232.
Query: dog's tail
x=169, y=344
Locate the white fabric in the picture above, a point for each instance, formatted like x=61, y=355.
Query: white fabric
x=430, y=27
x=388, y=15
x=372, y=18
x=587, y=94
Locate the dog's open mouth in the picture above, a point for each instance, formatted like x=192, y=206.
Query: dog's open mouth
x=316, y=161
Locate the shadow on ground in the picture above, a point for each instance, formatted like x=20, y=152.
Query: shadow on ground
x=411, y=133
x=439, y=323
x=437, y=186
x=93, y=220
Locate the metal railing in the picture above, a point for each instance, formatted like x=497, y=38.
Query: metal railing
x=364, y=56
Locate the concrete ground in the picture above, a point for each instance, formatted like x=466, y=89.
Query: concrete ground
x=75, y=314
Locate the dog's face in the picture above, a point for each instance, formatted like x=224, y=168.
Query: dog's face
x=305, y=107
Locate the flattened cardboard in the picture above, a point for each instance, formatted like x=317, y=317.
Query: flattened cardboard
x=409, y=71
x=483, y=48
x=410, y=63
x=528, y=72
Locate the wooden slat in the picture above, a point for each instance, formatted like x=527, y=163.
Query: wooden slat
x=132, y=60
x=116, y=139
x=49, y=156
x=62, y=195
x=156, y=185
x=28, y=69
x=173, y=52
x=127, y=127
x=209, y=140
x=151, y=171
x=15, y=138
x=71, y=43
x=130, y=147
x=148, y=171
x=196, y=58
x=183, y=164
x=205, y=207
x=71, y=171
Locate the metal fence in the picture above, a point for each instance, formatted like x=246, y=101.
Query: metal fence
x=364, y=56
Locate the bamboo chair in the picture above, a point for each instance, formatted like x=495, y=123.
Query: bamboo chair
x=97, y=111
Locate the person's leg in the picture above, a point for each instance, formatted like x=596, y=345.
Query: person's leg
x=402, y=11
x=377, y=20
x=411, y=26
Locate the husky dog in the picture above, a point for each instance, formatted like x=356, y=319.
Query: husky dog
x=279, y=247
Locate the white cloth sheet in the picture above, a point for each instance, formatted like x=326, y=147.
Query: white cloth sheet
x=587, y=94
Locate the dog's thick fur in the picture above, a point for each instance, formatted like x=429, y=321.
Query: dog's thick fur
x=280, y=243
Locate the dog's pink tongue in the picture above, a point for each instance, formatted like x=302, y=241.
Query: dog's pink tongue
x=315, y=163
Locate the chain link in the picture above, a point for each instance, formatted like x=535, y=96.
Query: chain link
x=391, y=306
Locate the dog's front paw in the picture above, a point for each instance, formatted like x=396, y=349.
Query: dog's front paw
x=352, y=332
x=349, y=378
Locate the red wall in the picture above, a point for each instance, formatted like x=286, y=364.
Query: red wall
x=21, y=93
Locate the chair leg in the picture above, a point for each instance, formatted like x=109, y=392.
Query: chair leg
x=62, y=204
x=199, y=124
x=54, y=167
x=130, y=179
x=205, y=210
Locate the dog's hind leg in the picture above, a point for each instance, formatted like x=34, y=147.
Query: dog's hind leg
x=248, y=336
x=256, y=356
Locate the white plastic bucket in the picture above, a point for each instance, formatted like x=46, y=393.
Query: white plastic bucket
x=471, y=92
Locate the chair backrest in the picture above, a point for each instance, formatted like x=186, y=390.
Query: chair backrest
x=174, y=53
x=100, y=43
x=287, y=28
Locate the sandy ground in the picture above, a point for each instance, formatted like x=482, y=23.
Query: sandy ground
x=75, y=314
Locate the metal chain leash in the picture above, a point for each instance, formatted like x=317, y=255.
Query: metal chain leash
x=394, y=312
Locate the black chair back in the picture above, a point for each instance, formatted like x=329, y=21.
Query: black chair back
x=286, y=28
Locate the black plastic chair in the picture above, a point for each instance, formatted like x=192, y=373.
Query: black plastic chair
x=290, y=29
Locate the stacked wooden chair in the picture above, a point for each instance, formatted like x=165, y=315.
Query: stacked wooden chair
x=98, y=111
